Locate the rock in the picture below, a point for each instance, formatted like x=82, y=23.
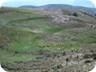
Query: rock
x=67, y=59
x=94, y=58
x=88, y=61
x=45, y=70
x=64, y=53
x=1, y=46
x=86, y=56
x=59, y=66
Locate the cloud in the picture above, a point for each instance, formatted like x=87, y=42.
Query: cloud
x=1, y=2
x=17, y=0
x=94, y=2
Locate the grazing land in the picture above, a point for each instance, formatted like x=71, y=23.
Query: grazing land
x=47, y=40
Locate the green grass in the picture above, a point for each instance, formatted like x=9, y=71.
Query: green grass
x=11, y=57
x=59, y=46
x=28, y=45
x=88, y=37
x=53, y=29
x=24, y=31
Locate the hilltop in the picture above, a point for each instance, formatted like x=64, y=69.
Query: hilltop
x=88, y=10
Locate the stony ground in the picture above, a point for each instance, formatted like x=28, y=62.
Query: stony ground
x=82, y=60
x=47, y=41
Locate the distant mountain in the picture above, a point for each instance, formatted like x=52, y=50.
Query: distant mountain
x=55, y=6
x=49, y=6
x=91, y=11
x=29, y=6
x=85, y=3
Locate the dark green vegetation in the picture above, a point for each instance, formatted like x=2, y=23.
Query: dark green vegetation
x=33, y=34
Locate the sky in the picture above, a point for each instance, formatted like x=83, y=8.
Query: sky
x=94, y=2
x=16, y=3
x=35, y=2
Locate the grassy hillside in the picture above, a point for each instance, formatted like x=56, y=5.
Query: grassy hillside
x=33, y=34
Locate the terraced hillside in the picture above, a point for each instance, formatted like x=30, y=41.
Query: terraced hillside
x=44, y=40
